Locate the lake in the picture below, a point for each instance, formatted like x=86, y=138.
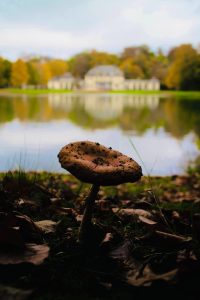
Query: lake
x=164, y=130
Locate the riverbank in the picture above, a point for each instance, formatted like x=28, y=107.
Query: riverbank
x=187, y=94
x=144, y=240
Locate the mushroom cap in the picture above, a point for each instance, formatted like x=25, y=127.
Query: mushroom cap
x=94, y=163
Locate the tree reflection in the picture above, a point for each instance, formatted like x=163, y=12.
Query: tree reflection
x=129, y=112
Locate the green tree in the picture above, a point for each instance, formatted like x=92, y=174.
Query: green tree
x=19, y=73
x=5, y=72
x=184, y=69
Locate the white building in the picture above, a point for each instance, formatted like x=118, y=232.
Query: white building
x=109, y=77
x=103, y=78
x=63, y=82
x=152, y=84
x=106, y=77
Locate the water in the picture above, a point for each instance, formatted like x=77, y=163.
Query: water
x=165, y=131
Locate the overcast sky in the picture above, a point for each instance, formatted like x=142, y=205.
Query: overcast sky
x=62, y=28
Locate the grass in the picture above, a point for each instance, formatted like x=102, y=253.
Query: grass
x=32, y=91
x=190, y=94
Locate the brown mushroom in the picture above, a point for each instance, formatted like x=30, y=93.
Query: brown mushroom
x=93, y=163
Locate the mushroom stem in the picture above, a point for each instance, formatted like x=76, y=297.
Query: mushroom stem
x=87, y=216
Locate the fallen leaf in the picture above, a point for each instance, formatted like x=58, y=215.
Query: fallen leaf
x=10, y=236
x=132, y=212
x=19, y=225
x=170, y=240
x=10, y=293
x=146, y=277
x=46, y=226
x=148, y=222
x=79, y=218
x=32, y=253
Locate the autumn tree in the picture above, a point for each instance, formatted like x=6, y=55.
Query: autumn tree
x=44, y=73
x=159, y=65
x=5, y=72
x=19, y=73
x=103, y=58
x=80, y=64
x=142, y=57
x=131, y=69
x=184, y=69
x=58, y=67
x=33, y=73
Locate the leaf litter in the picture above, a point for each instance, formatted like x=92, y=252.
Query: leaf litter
x=135, y=241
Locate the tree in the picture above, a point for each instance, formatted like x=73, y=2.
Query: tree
x=103, y=58
x=57, y=67
x=131, y=69
x=159, y=65
x=142, y=57
x=184, y=70
x=5, y=72
x=19, y=73
x=80, y=64
x=33, y=73
x=44, y=73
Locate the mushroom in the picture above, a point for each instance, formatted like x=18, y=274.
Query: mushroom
x=96, y=164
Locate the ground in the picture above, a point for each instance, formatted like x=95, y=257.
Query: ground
x=144, y=241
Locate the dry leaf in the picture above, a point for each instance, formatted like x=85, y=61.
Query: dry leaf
x=148, y=222
x=34, y=254
x=171, y=240
x=17, y=226
x=146, y=277
x=46, y=226
x=10, y=293
x=11, y=236
x=132, y=212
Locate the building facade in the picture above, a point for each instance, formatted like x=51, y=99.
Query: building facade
x=106, y=77
x=63, y=82
x=152, y=84
x=109, y=77
x=103, y=78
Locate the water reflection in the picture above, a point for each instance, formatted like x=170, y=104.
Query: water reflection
x=165, y=131
x=103, y=106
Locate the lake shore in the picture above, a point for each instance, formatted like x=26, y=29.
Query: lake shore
x=12, y=91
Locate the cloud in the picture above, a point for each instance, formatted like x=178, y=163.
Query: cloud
x=23, y=39
x=158, y=23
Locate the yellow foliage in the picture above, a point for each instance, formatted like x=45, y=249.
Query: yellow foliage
x=19, y=73
x=130, y=69
x=58, y=67
x=44, y=73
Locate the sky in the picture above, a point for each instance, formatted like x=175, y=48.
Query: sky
x=63, y=28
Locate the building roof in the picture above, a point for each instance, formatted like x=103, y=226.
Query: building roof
x=105, y=70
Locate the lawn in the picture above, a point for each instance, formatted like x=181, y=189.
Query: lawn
x=177, y=94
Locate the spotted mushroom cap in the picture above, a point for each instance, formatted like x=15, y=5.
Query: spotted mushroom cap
x=93, y=163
